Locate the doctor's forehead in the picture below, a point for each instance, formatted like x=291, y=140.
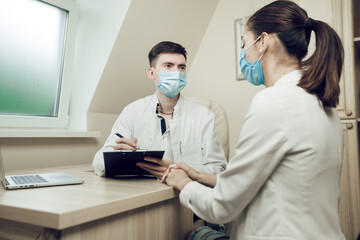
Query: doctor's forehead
x=174, y=58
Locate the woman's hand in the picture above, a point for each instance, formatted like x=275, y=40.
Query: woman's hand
x=203, y=178
x=192, y=173
x=177, y=178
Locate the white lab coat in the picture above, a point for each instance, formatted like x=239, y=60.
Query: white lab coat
x=283, y=181
x=192, y=133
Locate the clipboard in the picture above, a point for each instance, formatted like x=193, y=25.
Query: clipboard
x=123, y=163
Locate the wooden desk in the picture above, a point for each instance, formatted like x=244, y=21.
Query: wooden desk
x=98, y=209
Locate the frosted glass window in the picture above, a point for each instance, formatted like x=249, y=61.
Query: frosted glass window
x=32, y=46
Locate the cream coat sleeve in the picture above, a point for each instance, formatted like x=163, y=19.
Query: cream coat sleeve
x=122, y=125
x=261, y=146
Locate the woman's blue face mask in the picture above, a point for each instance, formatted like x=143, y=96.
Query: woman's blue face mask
x=251, y=70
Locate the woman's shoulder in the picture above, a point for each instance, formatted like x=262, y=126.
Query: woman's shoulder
x=268, y=97
x=269, y=105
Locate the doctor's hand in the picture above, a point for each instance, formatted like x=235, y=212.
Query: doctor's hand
x=125, y=144
x=177, y=178
x=155, y=166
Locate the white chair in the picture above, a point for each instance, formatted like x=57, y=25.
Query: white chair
x=221, y=122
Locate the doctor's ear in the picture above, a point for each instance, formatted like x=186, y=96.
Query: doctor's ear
x=151, y=73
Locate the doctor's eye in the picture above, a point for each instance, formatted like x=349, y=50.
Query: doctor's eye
x=183, y=68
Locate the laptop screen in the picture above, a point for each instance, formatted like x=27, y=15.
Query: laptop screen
x=2, y=171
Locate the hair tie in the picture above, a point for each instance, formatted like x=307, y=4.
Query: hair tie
x=308, y=24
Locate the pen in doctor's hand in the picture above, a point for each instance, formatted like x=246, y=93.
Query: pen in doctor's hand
x=121, y=136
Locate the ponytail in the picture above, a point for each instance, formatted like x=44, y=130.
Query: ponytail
x=322, y=70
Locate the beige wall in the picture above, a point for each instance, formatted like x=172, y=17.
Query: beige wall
x=45, y=152
x=146, y=24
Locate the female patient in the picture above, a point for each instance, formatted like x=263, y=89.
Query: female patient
x=283, y=181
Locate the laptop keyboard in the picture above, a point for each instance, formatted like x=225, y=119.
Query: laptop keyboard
x=28, y=179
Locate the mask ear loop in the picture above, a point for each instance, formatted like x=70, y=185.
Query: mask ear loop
x=257, y=39
x=260, y=50
x=261, y=56
x=155, y=70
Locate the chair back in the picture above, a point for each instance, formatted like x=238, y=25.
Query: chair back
x=221, y=122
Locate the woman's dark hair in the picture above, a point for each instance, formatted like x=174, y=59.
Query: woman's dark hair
x=165, y=47
x=322, y=70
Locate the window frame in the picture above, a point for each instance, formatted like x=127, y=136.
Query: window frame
x=63, y=118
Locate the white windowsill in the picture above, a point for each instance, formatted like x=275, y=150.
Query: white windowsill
x=48, y=134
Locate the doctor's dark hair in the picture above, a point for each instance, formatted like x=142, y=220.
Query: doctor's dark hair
x=322, y=70
x=165, y=47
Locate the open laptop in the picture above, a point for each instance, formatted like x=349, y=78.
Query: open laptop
x=35, y=180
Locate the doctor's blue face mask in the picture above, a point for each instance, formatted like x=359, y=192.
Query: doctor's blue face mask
x=251, y=70
x=171, y=83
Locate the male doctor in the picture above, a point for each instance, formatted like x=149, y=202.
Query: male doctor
x=167, y=121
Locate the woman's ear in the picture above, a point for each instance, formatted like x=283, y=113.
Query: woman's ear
x=265, y=42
